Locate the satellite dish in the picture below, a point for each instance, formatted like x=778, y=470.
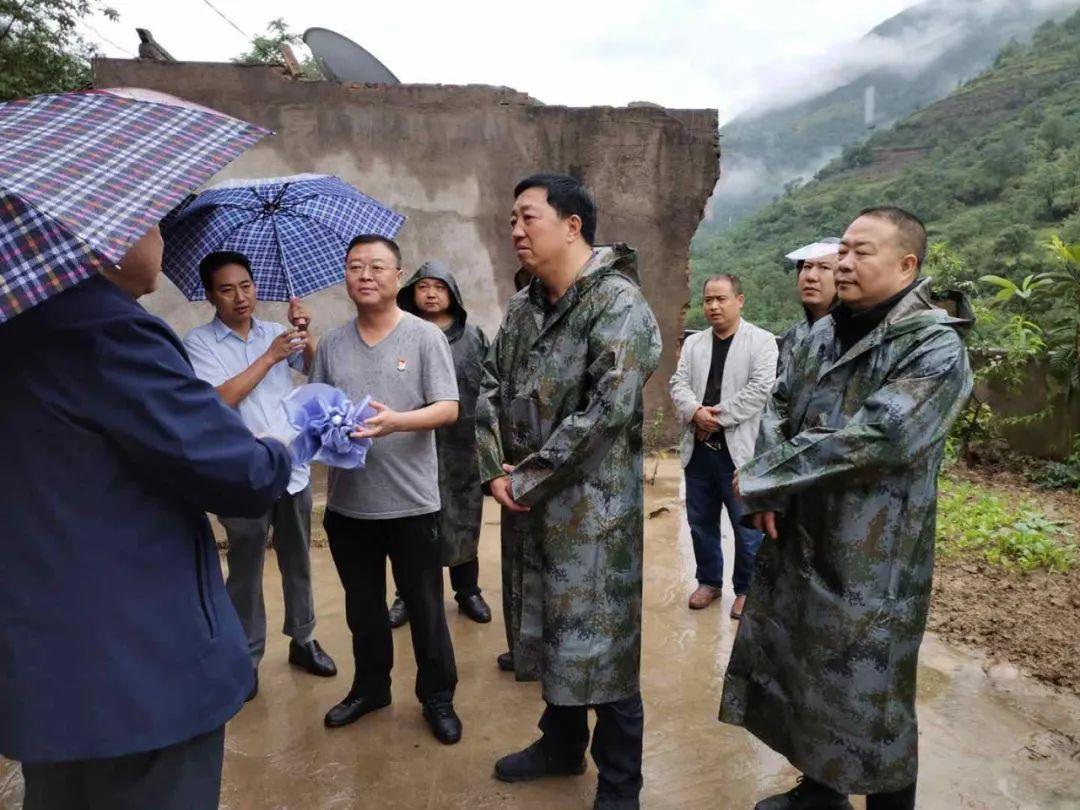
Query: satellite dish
x=342, y=60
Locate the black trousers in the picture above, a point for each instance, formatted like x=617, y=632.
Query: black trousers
x=360, y=549
x=465, y=579
x=616, y=741
x=895, y=800
x=184, y=776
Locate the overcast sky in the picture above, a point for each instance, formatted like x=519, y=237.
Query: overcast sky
x=727, y=54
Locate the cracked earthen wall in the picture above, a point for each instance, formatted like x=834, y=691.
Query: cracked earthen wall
x=448, y=158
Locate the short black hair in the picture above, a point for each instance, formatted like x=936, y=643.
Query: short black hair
x=212, y=262
x=375, y=239
x=568, y=196
x=731, y=278
x=911, y=228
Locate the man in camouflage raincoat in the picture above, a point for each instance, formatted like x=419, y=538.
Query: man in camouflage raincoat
x=560, y=410
x=815, y=265
x=845, y=482
x=432, y=294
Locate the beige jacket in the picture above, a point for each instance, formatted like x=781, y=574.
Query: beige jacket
x=749, y=374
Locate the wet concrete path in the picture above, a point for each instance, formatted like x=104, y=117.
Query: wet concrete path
x=992, y=740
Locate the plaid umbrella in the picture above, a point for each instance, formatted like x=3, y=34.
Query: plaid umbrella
x=84, y=175
x=294, y=230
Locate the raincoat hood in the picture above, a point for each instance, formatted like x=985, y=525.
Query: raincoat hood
x=923, y=305
x=920, y=308
x=406, y=298
x=607, y=259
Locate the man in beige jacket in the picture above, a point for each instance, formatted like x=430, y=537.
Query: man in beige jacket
x=723, y=381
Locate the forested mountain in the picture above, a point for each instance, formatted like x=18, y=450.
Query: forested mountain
x=993, y=168
x=910, y=60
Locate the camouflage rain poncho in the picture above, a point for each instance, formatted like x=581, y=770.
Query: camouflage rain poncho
x=824, y=663
x=561, y=399
x=789, y=341
x=459, y=475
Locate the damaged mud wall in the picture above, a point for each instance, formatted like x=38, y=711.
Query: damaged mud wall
x=448, y=158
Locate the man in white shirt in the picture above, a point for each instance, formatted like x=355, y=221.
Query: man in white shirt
x=249, y=361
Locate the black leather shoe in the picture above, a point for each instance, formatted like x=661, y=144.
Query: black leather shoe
x=475, y=608
x=352, y=708
x=443, y=721
x=313, y=658
x=506, y=661
x=254, y=689
x=539, y=760
x=399, y=616
x=616, y=803
x=806, y=795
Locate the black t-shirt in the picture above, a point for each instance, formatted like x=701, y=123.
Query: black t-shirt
x=720, y=347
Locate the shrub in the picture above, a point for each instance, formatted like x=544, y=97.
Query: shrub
x=974, y=520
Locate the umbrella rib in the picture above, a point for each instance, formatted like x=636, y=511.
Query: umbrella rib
x=281, y=258
x=192, y=287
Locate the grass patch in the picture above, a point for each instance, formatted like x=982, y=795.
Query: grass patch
x=973, y=519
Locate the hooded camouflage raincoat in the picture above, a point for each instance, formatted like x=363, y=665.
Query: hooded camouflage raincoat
x=459, y=475
x=561, y=399
x=824, y=662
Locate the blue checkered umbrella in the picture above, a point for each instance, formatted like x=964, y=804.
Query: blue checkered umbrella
x=84, y=175
x=294, y=230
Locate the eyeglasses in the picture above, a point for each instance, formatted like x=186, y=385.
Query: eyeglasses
x=376, y=270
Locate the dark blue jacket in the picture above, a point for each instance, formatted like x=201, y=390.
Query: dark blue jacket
x=116, y=634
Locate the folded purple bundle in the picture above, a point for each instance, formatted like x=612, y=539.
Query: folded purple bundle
x=326, y=417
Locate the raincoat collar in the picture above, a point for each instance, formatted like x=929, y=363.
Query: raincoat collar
x=606, y=260
x=808, y=316
x=915, y=310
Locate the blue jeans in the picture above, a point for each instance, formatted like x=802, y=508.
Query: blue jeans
x=709, y=488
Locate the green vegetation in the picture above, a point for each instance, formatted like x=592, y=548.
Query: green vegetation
x=1059, y=474
x=40, y=48
x=767, y=152
x=975, y=520
x=265, y=49
x=993, y=168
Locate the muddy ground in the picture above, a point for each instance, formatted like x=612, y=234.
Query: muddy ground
x=1030, y=621
x=991, y=738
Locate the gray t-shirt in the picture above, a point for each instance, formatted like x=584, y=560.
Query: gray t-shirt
x=408, y=369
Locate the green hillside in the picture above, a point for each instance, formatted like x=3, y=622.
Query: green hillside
x=993, y=168
x=944, y=42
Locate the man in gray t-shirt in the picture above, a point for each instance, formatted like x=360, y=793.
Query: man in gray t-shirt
x=409, y=368
x=390, y=507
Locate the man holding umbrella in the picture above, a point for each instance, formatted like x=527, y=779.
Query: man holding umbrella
x=121, y=658
x=248, y=361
